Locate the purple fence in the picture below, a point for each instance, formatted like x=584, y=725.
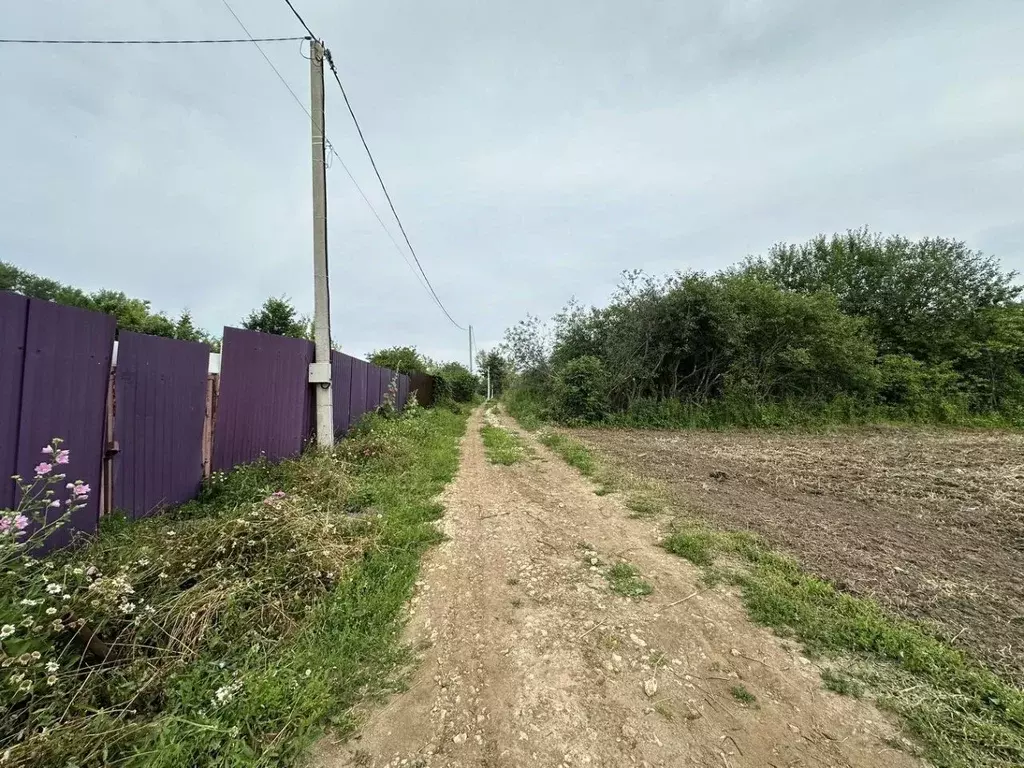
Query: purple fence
x=423, y=385
x=160, y=391
x=360, y=387
x=13, y=320
x=63, y=394
x=264, y=407
x=358, y=402
x=55, y=379
x=403, y=391
x=341, y=390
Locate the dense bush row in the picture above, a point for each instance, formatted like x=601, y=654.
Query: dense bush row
x=847, y=328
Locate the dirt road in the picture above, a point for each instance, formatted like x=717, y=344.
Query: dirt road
x=531, y=660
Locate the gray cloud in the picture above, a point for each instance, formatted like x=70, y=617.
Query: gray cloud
x=534, y=149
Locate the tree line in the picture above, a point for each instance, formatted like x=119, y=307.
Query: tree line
x=452, y=381
x=276, y=315
x=854, y=326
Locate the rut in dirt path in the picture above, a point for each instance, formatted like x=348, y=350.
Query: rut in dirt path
x=531, y=660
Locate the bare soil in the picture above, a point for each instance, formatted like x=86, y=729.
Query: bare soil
x=529, y=659
x=931, y=523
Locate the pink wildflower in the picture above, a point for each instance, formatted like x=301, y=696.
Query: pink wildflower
x=20, y=522
x=5, y=524
x=48, y=450
x=279, y=494
x=42, y=468
x=81, y=489
x=63, y=457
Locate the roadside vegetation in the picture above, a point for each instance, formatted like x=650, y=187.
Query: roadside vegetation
x=847, y=329
x=960, y=712
x=625, y=580
x=502, y=446
x=231, y=631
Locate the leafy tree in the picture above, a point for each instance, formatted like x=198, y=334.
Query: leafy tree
x=796, y=346
x=278, y=316
x=131, y=314
x=499, y=368
x=580, y=390
x=454, y=382
x=403, y=359
x=843, y=325
x=920, y=297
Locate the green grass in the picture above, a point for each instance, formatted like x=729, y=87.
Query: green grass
x=644, y=505
x=842, y=683
x=264, y=645
x=524, y=408
x=695, y=545
x=742, y=695
x=962, y=714
x=502, y=446
x=625, y=580
x=573, y=452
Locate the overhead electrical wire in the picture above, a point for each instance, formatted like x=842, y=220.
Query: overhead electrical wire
x=330, y=147
x=383, y=186
x=418, y=270
x=211, y=41
x=301, y=20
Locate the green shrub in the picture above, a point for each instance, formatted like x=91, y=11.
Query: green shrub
x=580, y=391
x=921, y=392
x=453, y=382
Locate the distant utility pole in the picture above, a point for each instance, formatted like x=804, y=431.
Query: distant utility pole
x=320, y=369
x=471, y=349
x=488, y=381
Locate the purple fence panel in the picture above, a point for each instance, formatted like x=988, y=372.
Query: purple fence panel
x=265, y=398
x=423, y=386
x=358, y=402
x=341, y=389
x=385, y=382
x=64, y=394
x=13, y=320
x=403, y=391
x=160, y=395
x=372, y=387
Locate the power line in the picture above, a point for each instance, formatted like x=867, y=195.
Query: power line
x=210, y=41
x=301, y=20
x=401, y=227
x=329, y=146
x=383, y=186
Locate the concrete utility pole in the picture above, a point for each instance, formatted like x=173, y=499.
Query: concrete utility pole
x=488, y=382
x=471, y=349
x=320, y=369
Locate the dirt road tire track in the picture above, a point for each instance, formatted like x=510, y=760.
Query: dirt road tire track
x=530, y=660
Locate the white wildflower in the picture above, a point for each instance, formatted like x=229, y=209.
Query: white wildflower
x=6, y=631
x=54, y=589
x=226, y=693
x=51, y=667
x=51, y=611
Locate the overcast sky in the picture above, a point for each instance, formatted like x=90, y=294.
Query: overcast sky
x=534, y=149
